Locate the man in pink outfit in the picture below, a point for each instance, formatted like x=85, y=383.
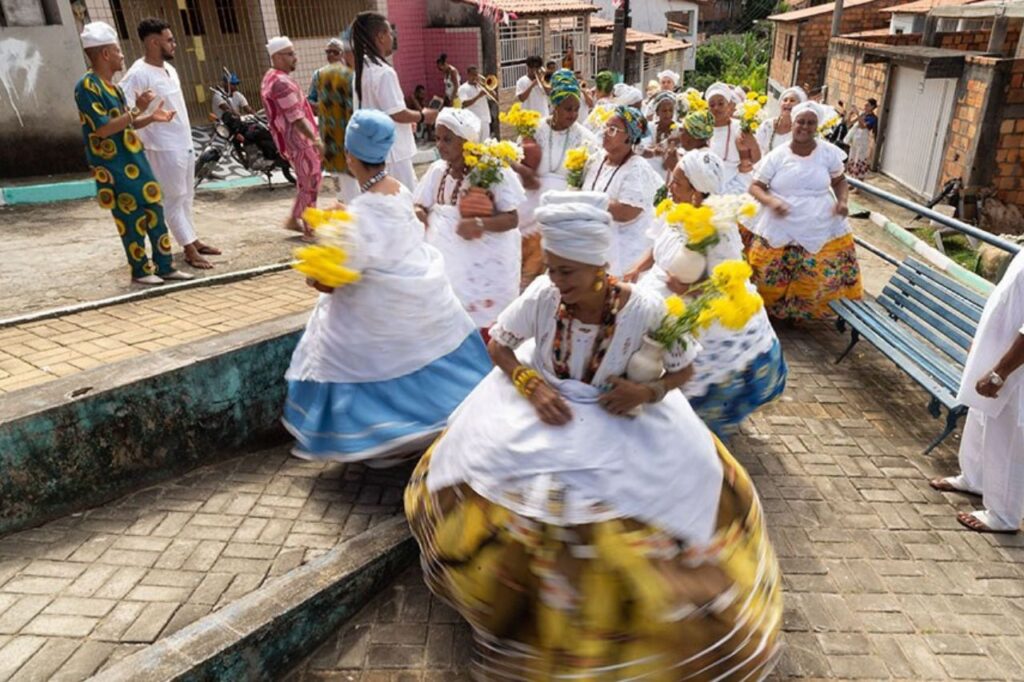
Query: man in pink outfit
x=293, y=126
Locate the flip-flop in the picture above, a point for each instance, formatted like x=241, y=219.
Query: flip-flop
x=982, y=523
x=946, y=485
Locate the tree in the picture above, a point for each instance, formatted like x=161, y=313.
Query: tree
x=741, y=59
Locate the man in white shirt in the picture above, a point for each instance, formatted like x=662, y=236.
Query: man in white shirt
x=377, y=87
x=168, y=147
x=992, y=447
x=530, y=90
x=475, y=98
x=230, y=98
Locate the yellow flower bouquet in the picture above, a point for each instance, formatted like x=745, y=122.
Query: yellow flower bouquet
x=525, y=121
x=693, y=221
x=750, y=112
x=324, y=262
x=599, y=116
x=485, y=161
x=575, y=163
x=695, y=101
x=825, y=128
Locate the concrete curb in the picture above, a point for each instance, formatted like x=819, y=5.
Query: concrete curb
x=929, y=253
x=71, y=190
x=262, y=635
x=80, y=441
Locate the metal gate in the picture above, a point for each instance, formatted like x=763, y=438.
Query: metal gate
x=918, y=118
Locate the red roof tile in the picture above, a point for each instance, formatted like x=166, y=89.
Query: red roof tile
x=817, y=10
x=535, y=7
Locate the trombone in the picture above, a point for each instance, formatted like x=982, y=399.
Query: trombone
x=490, y=87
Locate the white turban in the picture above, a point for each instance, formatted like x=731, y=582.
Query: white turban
x=668, y=73
x=336, y=42
x=822, y=112
x=462, y=122
x=576, y=226
x=704, y=169
x=278, y=43
x=796, y=91
x=723, y=89
x=97, y=33
x=627, y=95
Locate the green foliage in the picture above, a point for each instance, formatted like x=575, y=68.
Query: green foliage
x=741, y=59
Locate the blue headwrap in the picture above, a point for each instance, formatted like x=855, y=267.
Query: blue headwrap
x=563, y=86
x=636, y=123
x=231, y=79
x=369, y=136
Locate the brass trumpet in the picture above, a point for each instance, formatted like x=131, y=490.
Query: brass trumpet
x=490, y=87
x=543, y=79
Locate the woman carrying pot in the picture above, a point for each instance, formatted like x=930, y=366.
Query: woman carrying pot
x=629, y=183
x=737, y=371
x=384, y=361
x=802, y=249
x=579, y=542
x=778, y=131
x=481, y=253
x=555, y=136
x=738, y=150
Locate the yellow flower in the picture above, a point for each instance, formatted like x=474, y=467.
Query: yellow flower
x=664, y=207
x=751, y=95
x=576, y=159
x=763, y=99
x=731, y=275
x=675, y=306
x=471, y=161
x=748, y=210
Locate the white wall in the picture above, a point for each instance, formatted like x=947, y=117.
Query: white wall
x=649, y=16
x=906, y=23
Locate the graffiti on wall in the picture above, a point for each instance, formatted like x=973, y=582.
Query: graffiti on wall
x=20, y=63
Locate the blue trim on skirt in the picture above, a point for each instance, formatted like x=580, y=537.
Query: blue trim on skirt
x=728, y=403
x=353, y=421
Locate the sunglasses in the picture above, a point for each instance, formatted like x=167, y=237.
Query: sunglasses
x=333, y=51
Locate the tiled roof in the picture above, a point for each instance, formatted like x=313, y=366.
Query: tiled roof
x=633, y=37
x=601, y=24
x=867, y=34
x=535, y=7
x=924, y=6
x=665, y=44
x=817, y=10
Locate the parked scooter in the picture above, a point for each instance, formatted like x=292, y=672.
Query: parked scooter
x=247, y=139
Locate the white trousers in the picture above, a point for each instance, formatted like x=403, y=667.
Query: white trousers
x=403, y=171
x=175, y=170
x=992, y=462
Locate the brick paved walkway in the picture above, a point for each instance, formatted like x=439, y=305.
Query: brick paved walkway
x=37, y=352
x=880, y=580
x=84, y=591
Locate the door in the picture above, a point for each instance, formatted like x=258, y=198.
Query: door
x=918, y=118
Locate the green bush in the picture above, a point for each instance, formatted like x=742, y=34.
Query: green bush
x=741, y=59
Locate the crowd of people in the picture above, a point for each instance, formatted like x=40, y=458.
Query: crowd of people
x=577, y=502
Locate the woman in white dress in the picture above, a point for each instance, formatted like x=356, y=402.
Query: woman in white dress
x=659, y=146
x=481, y=255
x=383, y=361
x=778, y=131
x=578, y=542
x=737, y=371
x=629, y=183
x=556, y=135
x=802, y=250
x=737, y=150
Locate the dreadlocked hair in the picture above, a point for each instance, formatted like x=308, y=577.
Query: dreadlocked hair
x=365, y=28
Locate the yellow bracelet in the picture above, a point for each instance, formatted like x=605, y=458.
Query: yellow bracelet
x=526, y=381
x=518, y=371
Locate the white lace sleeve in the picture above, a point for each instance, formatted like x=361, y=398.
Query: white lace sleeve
x=518, y=322
x=638, y=185
x=681, y=356
x=768, y=166
x=509, y=193
x=835, y=159
x=426, y=188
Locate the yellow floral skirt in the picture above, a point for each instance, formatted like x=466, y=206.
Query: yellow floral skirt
x=613, y=600
x=798, y=284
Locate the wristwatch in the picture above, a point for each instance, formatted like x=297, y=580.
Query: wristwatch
x=479, y=222
x=135, y=112
x=995, y=379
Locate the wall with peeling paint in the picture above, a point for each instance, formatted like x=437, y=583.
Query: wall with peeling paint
x=39, y=66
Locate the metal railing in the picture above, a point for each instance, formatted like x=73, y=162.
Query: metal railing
x=952, y=223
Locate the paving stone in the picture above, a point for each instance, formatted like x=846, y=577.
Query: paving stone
x=50, y=658
x=60, y=626
x=84, y=662
x=80, y=606
x=150, y=623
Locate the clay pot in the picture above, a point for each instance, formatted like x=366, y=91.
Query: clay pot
x=476, y=203
x=688, y=266
x=531, y=153
x=646, y=365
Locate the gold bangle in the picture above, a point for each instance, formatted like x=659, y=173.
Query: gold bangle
x=531, y=386
x=518, y=371
x=525, y=380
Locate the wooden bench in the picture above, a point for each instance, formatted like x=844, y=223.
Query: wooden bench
x=924, y=321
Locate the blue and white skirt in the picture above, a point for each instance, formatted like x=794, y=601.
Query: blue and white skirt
x=383, y=422
x=729, y=402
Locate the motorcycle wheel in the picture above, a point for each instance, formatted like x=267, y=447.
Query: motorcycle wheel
x=286, y=171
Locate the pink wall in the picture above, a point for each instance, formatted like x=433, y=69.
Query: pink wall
x=419, y=47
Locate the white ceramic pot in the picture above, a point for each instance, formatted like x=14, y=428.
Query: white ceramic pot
x=688, y=266
x=646, y=364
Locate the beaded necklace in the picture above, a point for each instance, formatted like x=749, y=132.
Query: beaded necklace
x=453, y=199
x=365, y=187
x=562, y=344
x=600, y=169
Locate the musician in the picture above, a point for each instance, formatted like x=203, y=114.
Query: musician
x=475, y=97
x=531, y=89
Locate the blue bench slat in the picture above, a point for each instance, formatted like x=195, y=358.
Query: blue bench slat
x=933, y=315
x=905, y=363
x=938, y=332
x=947, y=282
x=920, y=354
x=967, y=309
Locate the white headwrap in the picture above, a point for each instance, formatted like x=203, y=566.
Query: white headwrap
x=668, y=73
x=823, y=112
x=704, y=169
x=797, y=91
x=576, y=226
x=462, y=122
x=97, y=33
x=627, y=95
x=723, y=89
x=336, y=42
x=278, y=43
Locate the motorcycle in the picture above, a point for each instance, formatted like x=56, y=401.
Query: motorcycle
x=247, y=139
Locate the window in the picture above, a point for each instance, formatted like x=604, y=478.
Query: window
x=119, y=21
x=191, y=19
x=227, y=19
x=518, y=40
x=789, y=48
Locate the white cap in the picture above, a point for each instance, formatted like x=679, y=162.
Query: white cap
x=278, y=43
x=462, y=122
x=97, y=33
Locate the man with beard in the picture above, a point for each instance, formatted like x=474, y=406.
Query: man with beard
x=168, y=147
x=293, y=126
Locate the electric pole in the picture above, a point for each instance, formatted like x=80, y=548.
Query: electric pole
x=618, y=59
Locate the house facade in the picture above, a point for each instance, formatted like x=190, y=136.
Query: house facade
x=677, y=19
